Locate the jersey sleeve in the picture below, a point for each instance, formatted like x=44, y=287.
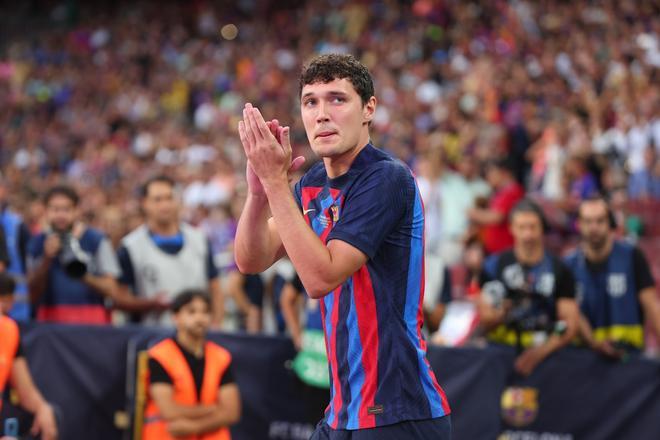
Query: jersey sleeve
x=212, y=271
x=127, y=276
x=445, y=291
x=643, y=277
x=565, y=281
x=297, y=193
x=106, y=259
x=374, y=206
x=157, y=373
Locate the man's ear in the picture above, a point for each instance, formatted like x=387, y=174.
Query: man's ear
x=369, y=109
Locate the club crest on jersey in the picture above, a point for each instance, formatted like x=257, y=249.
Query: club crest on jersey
x=334, y=209
x=616, y=284
x=520, y=405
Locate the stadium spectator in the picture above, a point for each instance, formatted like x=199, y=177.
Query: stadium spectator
x=530, y=301
x=164, y=256
x=191, y=387
x=72, y=268
x=495, y=218
x=617, y=292
x=14, y=368
x=13, y=253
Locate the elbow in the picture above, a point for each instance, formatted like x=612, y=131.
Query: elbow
x=247, y=267
x=318, y=288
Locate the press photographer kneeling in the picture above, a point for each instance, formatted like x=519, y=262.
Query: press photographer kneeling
x=72, y=268
x=530, y=301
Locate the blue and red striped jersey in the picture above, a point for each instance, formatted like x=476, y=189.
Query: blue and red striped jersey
x=379, y=374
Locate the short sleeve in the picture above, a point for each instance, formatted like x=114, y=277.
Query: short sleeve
x=445, y=292
x=157, y=373
x=106, y=259
x=565, y=281
x=490, y=267
x=127, y=276
x=506, y=201
x=297, y=193
x=228, y=376
x=643, y=277
x=212, y=271
x=374, y=206
x=35, y=251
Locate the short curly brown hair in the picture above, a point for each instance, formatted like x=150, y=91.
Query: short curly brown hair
x=326, y=68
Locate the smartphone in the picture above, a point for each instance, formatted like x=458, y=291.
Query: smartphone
x=11, y=427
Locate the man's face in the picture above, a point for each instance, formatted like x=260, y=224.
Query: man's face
x=194, y=318
x=527, y=229
x=61, y=213
x=6, y=303
x=593, y=224
x=335, y=119
x=160, y=204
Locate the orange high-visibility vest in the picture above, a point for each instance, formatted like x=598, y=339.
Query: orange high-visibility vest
x=168, y=354
x=9, y=337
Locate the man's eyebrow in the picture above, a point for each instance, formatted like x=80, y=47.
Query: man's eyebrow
x=330, y=93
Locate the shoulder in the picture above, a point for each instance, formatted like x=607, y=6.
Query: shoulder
x=134, y=236
x=9, y=325
x=218, y=352
x=36, y=243
x=93, y=236
x=315, y=176
x=163, y=347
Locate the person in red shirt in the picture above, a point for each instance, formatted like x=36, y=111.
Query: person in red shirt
x=494, y=220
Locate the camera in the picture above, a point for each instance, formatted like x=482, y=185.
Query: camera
x=72, y=258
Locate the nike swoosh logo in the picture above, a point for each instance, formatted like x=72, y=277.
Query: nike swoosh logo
x=307, y=211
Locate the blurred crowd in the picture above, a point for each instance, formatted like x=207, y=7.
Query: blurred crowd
x=487, y=101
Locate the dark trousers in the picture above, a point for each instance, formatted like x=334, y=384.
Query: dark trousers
x=432, y=429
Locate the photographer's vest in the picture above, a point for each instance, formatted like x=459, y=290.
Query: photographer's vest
x=70, y=300
x=157, y=272
x=608, y=299
x=11, y=223
x=541, y=281
x=168, y=354
x=9, y=337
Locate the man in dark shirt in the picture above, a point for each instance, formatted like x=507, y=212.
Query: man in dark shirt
x=616, y=290
x=531, y=301
x=191, y=387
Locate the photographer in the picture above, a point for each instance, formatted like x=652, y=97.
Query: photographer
x=530, y=302
x=72, y=268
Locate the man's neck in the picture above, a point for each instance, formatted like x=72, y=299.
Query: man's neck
x=193, y=345
x=336, y=166
x=529, y=257
x=595, y=255
x=163, y=229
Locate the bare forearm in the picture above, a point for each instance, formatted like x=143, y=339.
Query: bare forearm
x=28, y=394
x=307, y=252
x=38, y=279
x=194, y=412
x=218, y=301
x=103, y=285
x=487, y=216
x=219, y=418
x=253, y=249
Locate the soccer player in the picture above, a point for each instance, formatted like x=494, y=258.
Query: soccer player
x=191, y=387
x=618, y=294
x=353, y=230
